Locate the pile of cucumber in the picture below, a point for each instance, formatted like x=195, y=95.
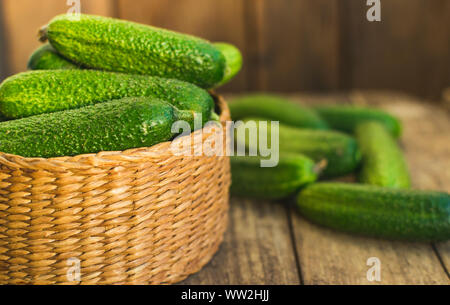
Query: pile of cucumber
x=103, y=84
x=325, y=142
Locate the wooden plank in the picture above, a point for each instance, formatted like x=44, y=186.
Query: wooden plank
x=254, y=25
x=215, y=20
x=3, y=47
x=23, y=18
x=257, y=248
x=328, y=257
x=408, y=50
x=300, y=45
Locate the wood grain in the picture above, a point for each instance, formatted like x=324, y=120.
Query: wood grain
x=215, y=20
x=23, y=18
x=299, y=45
x=254, y=26
x=328, y=257
x=257, y=248
x=408, y=50
x=3, y=48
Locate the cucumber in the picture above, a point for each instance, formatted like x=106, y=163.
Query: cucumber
x=346, y=118
x=276, y=108
x=233, y=60
x=249, y=179
x=123, y=46
x=111, y=126
x=47, y=58
x=36, y=92
x=378, y=211
x=339, y=150
x=383, y=163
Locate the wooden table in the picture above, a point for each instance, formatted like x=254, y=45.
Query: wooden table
x=270, y=243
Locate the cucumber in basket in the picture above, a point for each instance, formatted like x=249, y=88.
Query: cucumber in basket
x=123, y=46
x=111, y=126
x=383, y=163
x=378, y=211
x=276, y=108
x=36, y=92
x=249, y=179
x=47, y=58
x=346, y=118
x=339, y=150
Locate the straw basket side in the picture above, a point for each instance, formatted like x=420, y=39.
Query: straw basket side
x=142, y=216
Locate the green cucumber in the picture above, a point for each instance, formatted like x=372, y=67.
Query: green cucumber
x=123, y=46
x=346, y=118
x=339, y=150
x=378, y=211
x=36, y=92
x=383, y=163
x=249, y=179
x=47, y=58
x=111, y=126
x=233, y=60
x=276, y=108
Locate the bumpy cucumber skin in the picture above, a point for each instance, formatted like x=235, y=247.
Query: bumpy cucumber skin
x=339, y=150
x=346, y=118
x=383, y=163
x=46, y=58
x=233, y=60
x=36, y=92
x=277, y=109
x=112, y=126
x=122, y=46
x=378, y=211
x=249, y=179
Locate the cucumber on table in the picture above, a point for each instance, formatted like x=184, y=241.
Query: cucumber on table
x=378, y=211
x=346, y=118
x=111, y=126
x=36, y=92
x=275, y=108
x=339, y=150
x=123, y=46
x=47, y=58
x=249, y=179
x=383, y=163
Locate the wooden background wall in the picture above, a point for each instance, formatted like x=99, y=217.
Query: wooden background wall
x=288, y=45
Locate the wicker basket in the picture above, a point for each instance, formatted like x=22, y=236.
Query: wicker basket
x=142, y=216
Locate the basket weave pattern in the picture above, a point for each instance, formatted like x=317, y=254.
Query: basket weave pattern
x=142, y=216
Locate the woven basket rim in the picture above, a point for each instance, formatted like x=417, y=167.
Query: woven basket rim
x=109, y=157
